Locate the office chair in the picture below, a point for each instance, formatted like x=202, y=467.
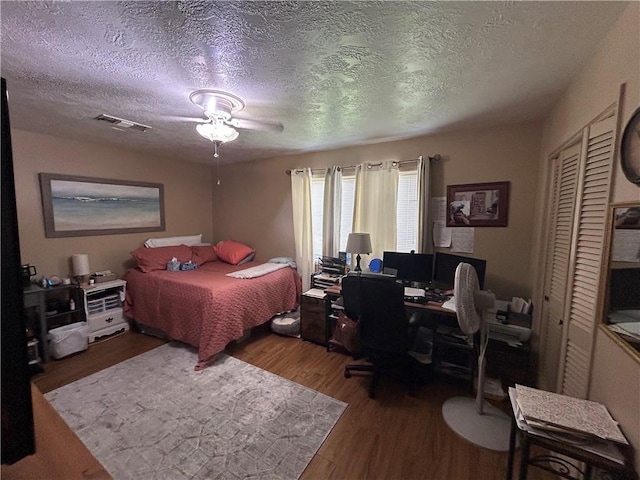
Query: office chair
x=377, y=302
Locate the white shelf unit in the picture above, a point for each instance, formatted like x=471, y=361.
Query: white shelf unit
x=103, y=309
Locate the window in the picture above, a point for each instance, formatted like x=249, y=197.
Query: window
x=407, y=211
x=346, y=215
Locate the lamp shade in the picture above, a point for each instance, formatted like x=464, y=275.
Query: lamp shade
x=80, y=263
x=359, y=243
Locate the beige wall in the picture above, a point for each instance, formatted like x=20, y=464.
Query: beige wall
x=253, y=202
x=187, y=195
x=615, y=378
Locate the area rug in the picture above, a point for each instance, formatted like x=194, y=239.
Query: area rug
x=154, y=417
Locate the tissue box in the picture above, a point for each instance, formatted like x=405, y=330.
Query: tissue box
x=188, y=266
x=104, y=278
x=173, y=266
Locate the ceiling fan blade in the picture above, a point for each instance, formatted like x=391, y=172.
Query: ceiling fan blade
x=248, y=124
x=177, y=118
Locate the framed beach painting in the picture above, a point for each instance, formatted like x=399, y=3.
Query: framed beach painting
x=478, y=205
x=78, y=206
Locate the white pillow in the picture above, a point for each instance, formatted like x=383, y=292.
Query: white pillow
x=188, y=240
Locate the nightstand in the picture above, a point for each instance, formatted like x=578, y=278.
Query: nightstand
x=103, y=309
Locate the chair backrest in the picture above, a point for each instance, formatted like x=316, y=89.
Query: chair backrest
x=351, y=298
x=377, y=302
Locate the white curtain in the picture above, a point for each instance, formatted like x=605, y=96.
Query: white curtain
x=302, y=231
x=332, y=209
x=375, y=207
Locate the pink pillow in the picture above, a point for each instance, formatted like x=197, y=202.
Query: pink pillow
x=233, y=252
x=203, y=254
x=150, y=259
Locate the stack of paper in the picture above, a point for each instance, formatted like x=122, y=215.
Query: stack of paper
x=548, y=410
x=581, y=423
x=520, y=305
x=315, y=292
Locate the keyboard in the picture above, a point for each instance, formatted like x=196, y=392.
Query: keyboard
x=420, y=295
x=427, y=297
x=436, y=297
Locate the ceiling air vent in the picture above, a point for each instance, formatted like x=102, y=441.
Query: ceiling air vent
x=121, y=123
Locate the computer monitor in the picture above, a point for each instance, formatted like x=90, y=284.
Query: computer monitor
x=445, y=269
x=408, y=267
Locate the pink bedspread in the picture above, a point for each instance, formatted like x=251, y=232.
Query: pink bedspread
x=204, y=307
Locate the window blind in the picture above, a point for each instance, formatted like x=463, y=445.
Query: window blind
x=346, y=215
x=407, y=212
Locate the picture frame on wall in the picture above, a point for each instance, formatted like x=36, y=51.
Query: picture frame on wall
x=76, y=206
x=478, y=205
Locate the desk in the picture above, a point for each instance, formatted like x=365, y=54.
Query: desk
x=560, y=448
x=431, y=307
x=511, y=364
x=436, y=315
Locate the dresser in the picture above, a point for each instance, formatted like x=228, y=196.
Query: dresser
x=103, y=309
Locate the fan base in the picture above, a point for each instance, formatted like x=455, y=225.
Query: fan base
x=489, y=430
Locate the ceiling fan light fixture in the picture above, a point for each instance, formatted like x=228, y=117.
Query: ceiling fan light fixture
x=217, y=132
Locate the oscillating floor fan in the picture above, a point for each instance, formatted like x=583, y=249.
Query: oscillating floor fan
x=475, y=419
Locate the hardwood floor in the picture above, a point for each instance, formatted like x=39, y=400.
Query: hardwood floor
x=59, y=452
x=99, y=356
x=395, y=436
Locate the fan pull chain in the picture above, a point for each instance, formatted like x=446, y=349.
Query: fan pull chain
x=216, y=155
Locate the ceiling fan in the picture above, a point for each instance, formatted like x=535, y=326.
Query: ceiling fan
x=221, y=123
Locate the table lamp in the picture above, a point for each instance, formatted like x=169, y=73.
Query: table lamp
x=81, y=270
x=359, y=243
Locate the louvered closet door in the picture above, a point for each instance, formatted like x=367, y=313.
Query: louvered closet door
x=562, y=208
x=588, y=237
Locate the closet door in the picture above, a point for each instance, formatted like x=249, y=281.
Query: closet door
x=564, y=187
x=581, y=302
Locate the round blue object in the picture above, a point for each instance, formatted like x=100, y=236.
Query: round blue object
x=375, y=265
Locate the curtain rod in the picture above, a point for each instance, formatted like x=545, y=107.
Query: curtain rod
x=434, y=158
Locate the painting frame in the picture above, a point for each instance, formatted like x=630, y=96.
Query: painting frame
x=478, y=205
x=103, y=206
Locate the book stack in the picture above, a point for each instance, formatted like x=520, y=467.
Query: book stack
x=583, y=423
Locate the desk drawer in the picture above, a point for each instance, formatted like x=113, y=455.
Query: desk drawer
x=313, y=319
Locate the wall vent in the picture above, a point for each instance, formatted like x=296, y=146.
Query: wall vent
x=121, y=123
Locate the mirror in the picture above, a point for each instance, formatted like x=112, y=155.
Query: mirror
x=620, y=283
x=630, y=149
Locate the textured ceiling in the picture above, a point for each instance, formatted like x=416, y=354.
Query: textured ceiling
x=333, y=73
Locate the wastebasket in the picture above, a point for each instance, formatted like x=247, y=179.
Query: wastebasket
x=68, y=339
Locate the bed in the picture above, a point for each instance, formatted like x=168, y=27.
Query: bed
x=205, y=307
